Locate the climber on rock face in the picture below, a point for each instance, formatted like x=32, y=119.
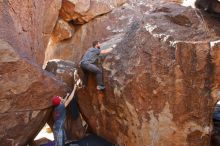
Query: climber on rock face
x=59, y=116
x=89, y=61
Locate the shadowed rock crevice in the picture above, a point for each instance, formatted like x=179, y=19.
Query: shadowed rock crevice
x=212, y=6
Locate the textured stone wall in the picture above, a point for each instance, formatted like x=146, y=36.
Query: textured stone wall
x=25, y=89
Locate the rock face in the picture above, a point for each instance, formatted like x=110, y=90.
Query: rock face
x=27, y=25
x=161, y=82
x=25, y=89
x=25, y=105
x=61, y=31
x=82, y=11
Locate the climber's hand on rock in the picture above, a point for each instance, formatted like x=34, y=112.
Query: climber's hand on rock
x=67, y=95
x=114, y=46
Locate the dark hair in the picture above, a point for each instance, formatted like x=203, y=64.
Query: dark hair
x=94, y=43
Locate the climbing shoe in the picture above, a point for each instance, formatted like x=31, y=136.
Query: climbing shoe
x=100, y=87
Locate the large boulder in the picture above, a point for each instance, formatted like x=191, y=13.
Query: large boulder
x=62, y=31
x=25, y=89
x=25, y=105
x=27, y=25
x=82, y=11
x=161, y=82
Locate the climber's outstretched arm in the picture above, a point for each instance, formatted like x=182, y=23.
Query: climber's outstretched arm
x=70, y=97
x=106, y=51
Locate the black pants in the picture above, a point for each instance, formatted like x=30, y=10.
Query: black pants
x=88, y=67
